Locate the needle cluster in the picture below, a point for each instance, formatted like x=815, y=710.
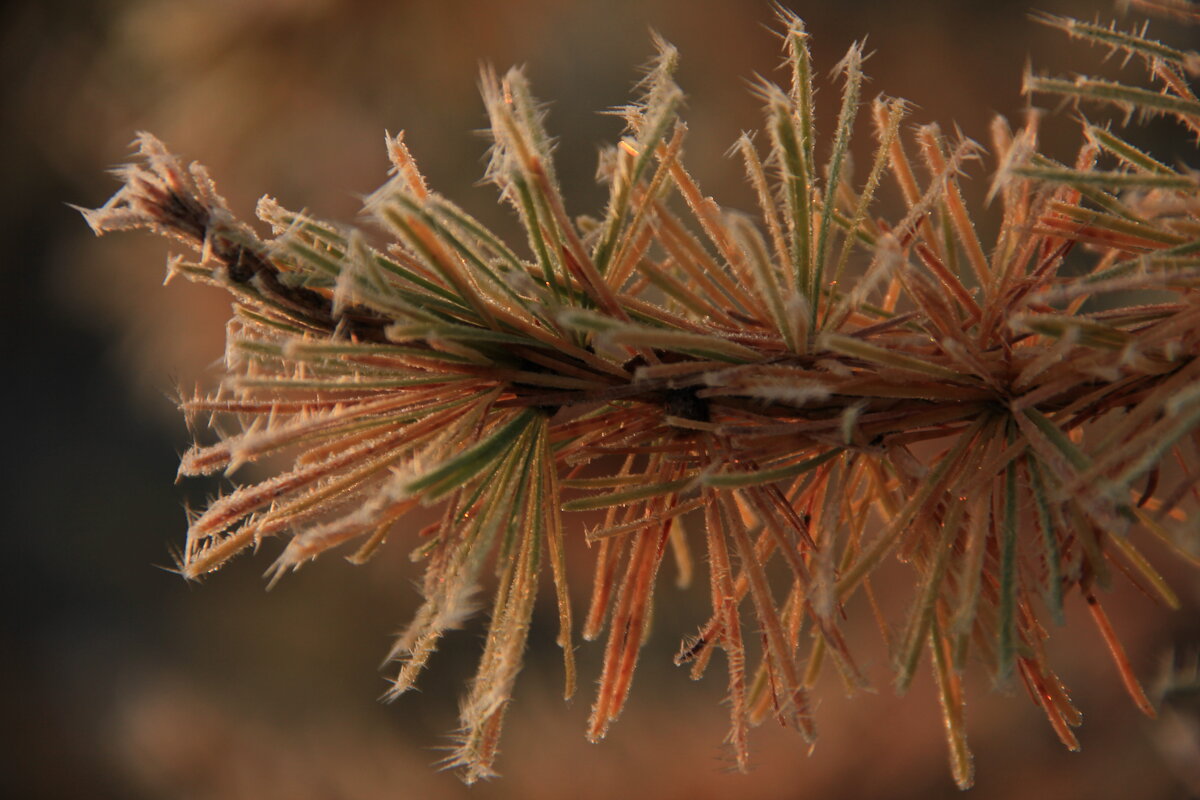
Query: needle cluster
x=813, y=385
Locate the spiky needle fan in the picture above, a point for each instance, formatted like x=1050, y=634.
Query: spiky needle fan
x=811, y=385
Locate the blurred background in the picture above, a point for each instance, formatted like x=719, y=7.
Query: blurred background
x=118, y=679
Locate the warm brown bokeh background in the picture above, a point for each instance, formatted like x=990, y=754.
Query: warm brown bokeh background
x=119, y=680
